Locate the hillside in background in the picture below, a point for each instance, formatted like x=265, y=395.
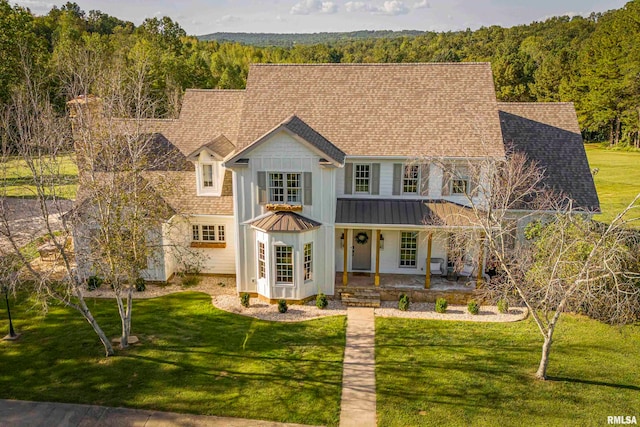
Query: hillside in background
x=290, y=40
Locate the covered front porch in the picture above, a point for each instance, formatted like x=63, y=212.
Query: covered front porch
x=405, y=282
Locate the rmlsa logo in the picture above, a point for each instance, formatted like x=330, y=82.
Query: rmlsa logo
x=619, y=419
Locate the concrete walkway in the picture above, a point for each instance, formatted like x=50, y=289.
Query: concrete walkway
x=18, y=413
x=358, y=408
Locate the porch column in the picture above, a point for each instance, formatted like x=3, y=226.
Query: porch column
x=427, y=279
x=480, y=261
x=345, y=274
x=376, y=279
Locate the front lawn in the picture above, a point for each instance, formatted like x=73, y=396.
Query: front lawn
x=617, y=180
x=192, y=358
x=461, y=373
x=16, y=179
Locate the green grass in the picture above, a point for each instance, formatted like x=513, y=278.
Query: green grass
x=193, y=358
x=432, y=373
x=17, y=179
x=618, y=180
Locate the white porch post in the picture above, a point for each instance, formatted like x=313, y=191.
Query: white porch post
x=376, y=279
x=345, y=274
x=427, y=279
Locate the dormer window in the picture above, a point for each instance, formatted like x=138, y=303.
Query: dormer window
x=207, y=175
x=210, y=175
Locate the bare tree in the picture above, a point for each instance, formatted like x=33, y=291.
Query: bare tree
x=38, y=139
x=124, y=175
x=569, y=264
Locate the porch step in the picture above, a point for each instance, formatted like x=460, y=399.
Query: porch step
x=361, y=302
x=360, y=297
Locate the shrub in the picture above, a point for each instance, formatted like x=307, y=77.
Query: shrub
x=321, y=301
x=244, y=299
x=503, y=306
x=140, y=284
x=94, y=282
x=282, y=306
x=190, y=280
x=473, y=307
x=441, y=305
x=403, y=302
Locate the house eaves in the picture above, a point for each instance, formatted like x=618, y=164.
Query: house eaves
x=301, y=132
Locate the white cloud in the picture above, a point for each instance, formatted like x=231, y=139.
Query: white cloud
x=228, y=18
x=393, y=7
x=306, y=7
x=422, y=4
x=358, y=6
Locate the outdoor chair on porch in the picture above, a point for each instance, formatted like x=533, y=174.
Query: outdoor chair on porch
x=437, y=267
x=466, y=271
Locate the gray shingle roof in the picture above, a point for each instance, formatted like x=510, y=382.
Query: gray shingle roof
x=433, y=109
x=402, y=212
x=548, y=133
x=285, y=221
x=220, y=147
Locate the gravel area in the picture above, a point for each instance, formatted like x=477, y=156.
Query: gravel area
x=426, y=310
x=212, y=285
x=262, y=310
x=223, y=296
x=25, y=221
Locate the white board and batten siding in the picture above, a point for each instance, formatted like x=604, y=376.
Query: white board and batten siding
x=386, y=182
x=283, y=153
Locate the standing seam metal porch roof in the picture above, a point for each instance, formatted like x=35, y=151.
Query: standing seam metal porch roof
x=285, y=221
x=403, y=212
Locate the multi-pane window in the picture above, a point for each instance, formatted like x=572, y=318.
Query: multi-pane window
x=207, y=175
x=284, y=264
x=362, y=177
x=207, y=233
x=410, y=179
x=308, y=261
x=408, y=249
x=262, y=273
x=459, y=186
x=285, y=187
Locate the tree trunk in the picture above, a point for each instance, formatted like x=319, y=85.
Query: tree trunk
x=108, y=348
x=124, y=336
x=544, y=359
x=129, y=308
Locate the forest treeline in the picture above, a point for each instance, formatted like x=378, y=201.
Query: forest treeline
x=290, y=40
x=592, y=61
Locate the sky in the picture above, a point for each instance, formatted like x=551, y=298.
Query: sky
x=199, y=17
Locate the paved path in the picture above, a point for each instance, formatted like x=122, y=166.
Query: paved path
x=18, y=413
x=358, y=407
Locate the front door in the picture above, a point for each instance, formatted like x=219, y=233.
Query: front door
x=361, y=250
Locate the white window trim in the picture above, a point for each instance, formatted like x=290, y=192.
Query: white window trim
x=310, y=261
x=217, y=172
x=418, y=180
x=355, y=178
x=216, y=228
x=285, y=187
x=467, y=182
x=275, y=266
x=415, y=266
x=262, y=260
